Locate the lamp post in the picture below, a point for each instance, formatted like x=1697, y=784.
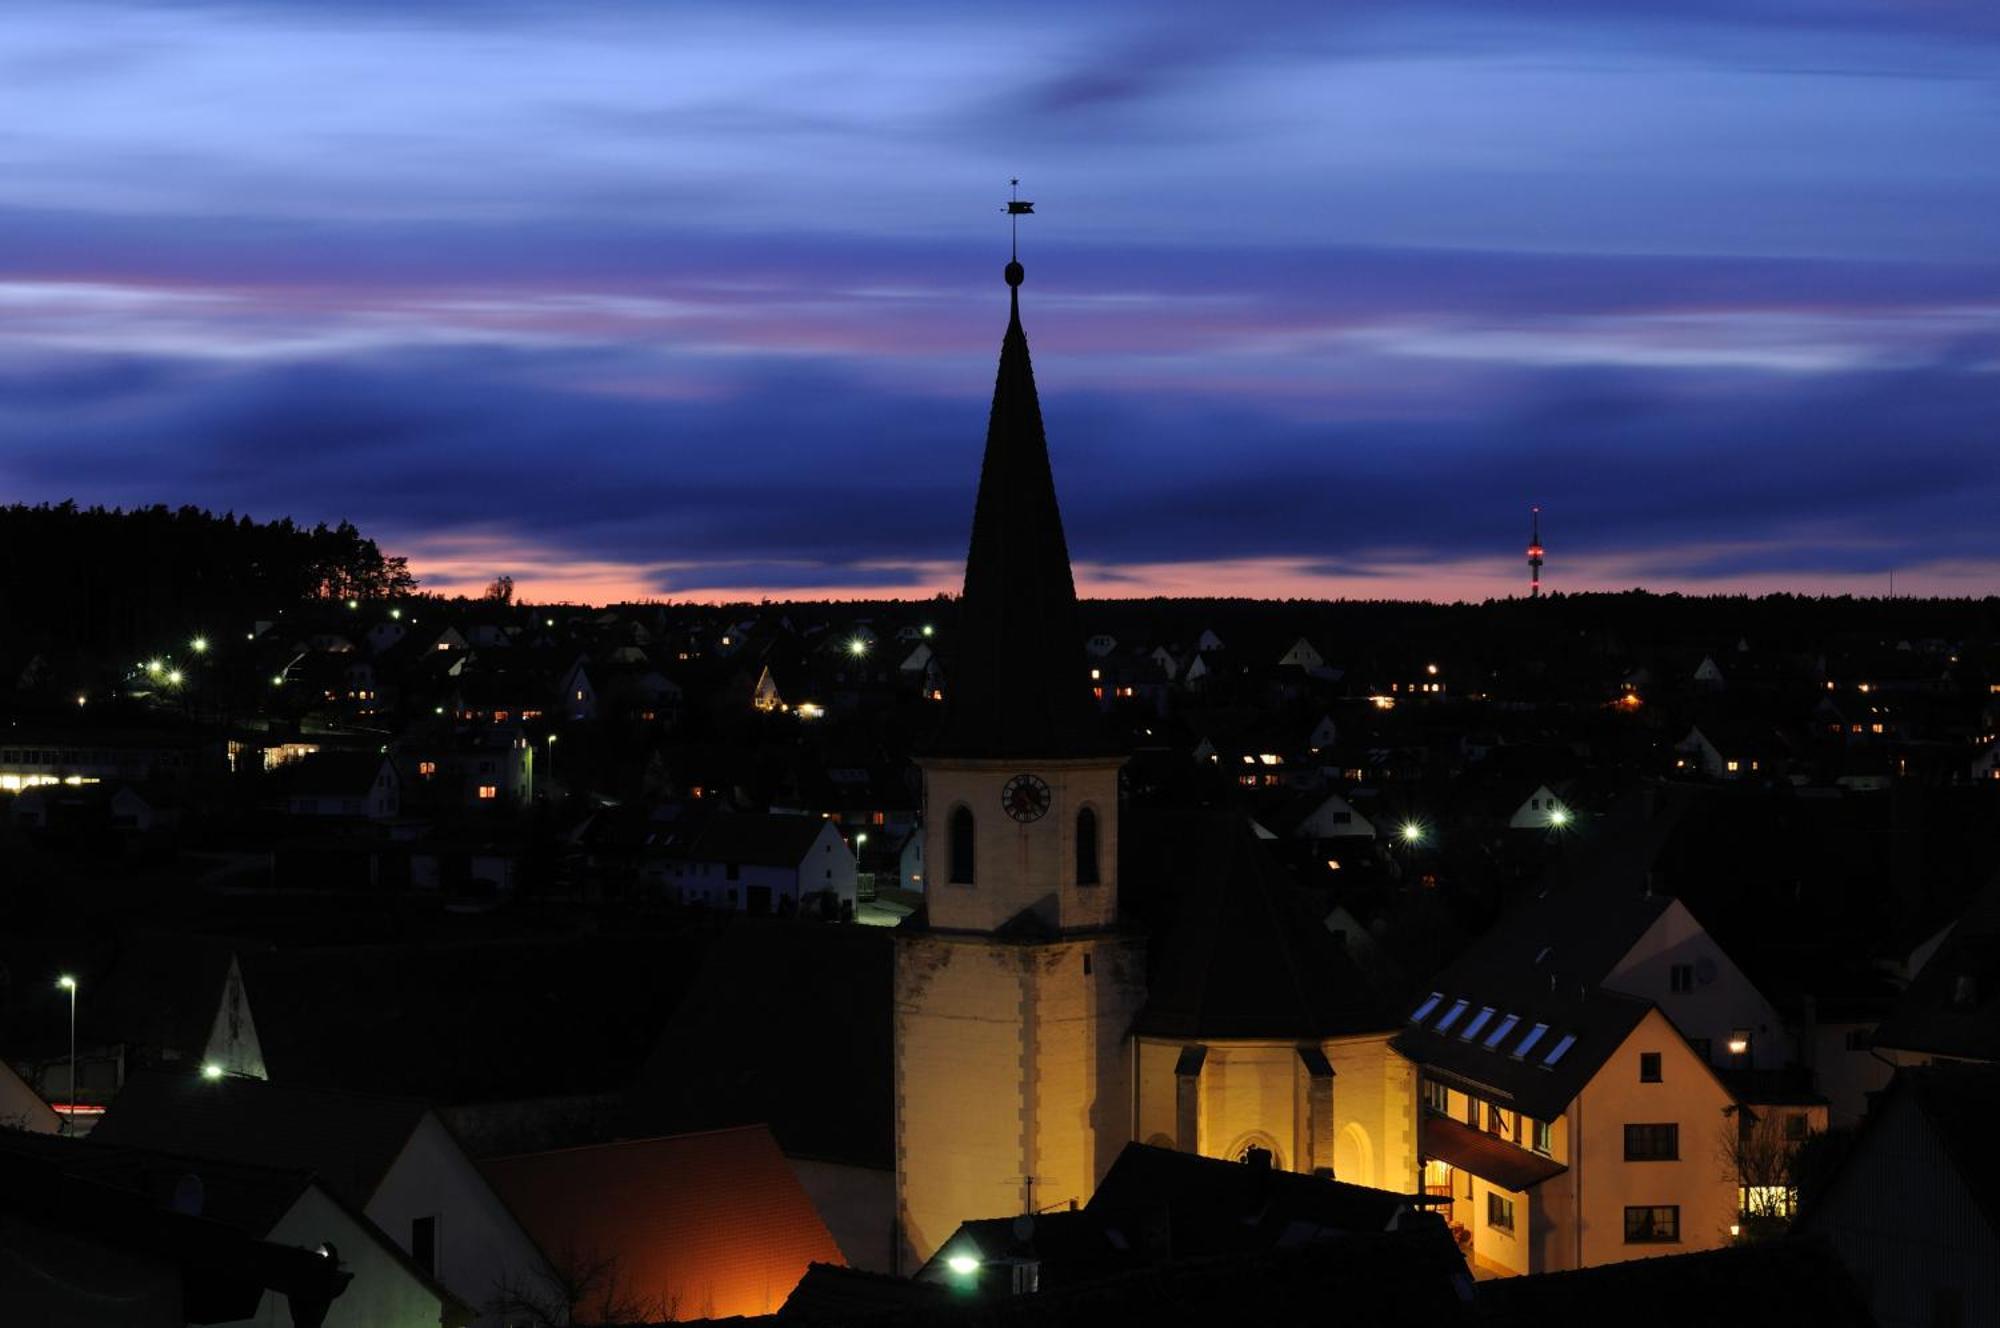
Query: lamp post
x=68, y=984
x=552, y=758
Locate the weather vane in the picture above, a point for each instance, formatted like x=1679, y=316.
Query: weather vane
x=1017, y=207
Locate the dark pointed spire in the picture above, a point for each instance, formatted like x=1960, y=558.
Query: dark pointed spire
x=1015, y=681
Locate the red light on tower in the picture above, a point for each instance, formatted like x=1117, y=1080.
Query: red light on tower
x=1535, y=554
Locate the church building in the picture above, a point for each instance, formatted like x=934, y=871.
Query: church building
x=1037, y=1029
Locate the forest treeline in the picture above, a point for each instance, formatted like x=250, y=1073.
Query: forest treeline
x=98, y=579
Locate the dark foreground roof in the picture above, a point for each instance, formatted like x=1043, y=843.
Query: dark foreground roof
x=1177, y=1204
x=57, y=1226
x=348, y=1140
x=1396, y=1279
x=1773, y=1284
x=1953, y=1006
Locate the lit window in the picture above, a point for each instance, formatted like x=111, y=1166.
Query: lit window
x=1424, y=1011
x=427, y=768
x=1478, y=1022
x=1451, y=1015
x=1528, y=1042
x=488, y=792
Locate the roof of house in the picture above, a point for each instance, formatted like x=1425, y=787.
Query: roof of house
x=1952, y=1008
x=1405, y=1278
x=1580, y=1027
x=1204, y=1205
x=1776, y=1283
x=754, y=839
x=714, y=1223
x=1954, y=1099
x=835, y=1294
x=348, y=1140
x=1067, y=1247
x=1245, y=958
x=1015, y=680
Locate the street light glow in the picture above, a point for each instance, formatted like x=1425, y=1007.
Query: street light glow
x=211, y=1071
x=1413, y=833
x=962, y=1264
x=173, y=677
x=199, y=645
x=66, y=982
x=1559, y=817
x=857, y=647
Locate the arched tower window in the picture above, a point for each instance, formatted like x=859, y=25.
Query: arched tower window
x=1086, y=847
x=961, y=846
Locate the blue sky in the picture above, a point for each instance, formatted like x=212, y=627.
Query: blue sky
x=704, y=300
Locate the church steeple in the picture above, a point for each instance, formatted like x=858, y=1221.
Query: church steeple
x=1015, y=682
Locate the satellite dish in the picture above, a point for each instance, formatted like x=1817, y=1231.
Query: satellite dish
x=1024, y=1228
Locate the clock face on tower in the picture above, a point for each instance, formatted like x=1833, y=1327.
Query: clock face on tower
x=1026, y=798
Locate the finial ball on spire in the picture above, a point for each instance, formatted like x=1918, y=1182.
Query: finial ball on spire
x=1015, y=272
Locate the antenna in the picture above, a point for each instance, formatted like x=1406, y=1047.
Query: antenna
x=1535, y=553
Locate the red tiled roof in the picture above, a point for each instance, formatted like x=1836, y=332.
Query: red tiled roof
x=1486, y=1156
x=716, y=1224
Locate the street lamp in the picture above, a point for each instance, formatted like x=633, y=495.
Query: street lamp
x=1412, y=833
x=199, y=645
x=68, y=984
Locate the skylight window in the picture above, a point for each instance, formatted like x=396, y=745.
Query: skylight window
x=1499, y=1035
x=1528, y=1042
x=1556, y=1052
x=1451, y=1015
x=1478, y=1022
x=1424, y=1010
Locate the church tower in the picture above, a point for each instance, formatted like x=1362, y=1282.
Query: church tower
x=1014, y=989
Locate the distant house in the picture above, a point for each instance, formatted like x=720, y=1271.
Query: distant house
x=391, y=1159
x=341, y=784
x=1333, y=817
x=1542, y=810
x=1726, y=751
x=706, y=1225
x=1302, y=655
x=759, y=863
x=576, y=694
x=1912, y=1210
